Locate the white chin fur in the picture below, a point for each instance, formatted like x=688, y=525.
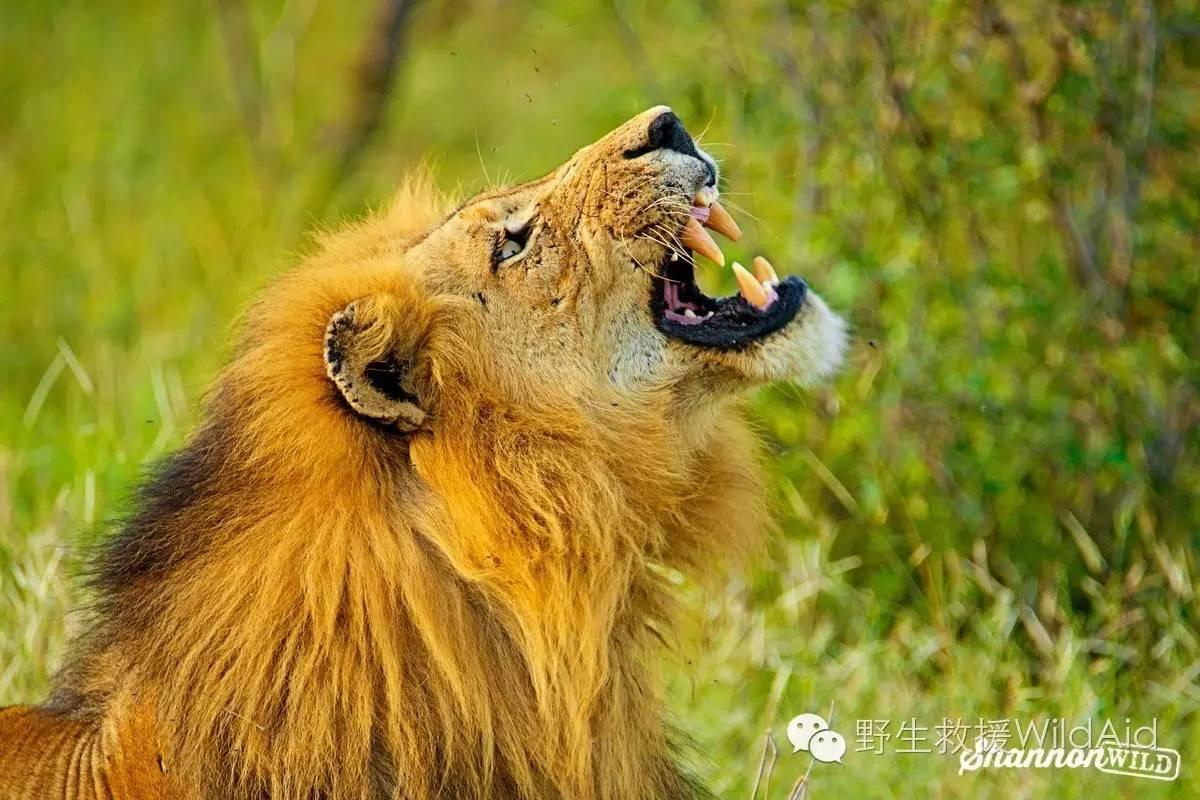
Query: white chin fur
x=809, y=350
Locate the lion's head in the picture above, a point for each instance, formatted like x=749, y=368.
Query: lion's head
x=583, y=282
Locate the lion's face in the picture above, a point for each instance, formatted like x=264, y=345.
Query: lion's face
x=583, y=282
x=586, y=274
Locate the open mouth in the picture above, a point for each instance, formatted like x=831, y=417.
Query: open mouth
x=762, y=306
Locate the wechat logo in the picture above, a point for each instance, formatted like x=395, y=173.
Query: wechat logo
x=811, y=733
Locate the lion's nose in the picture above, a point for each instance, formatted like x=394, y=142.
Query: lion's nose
x=666, y=132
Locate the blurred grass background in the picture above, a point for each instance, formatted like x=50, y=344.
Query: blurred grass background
x=992, y=513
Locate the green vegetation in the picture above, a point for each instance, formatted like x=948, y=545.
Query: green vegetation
x=992, y=513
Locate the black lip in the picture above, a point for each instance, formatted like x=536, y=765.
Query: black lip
x=734, y=323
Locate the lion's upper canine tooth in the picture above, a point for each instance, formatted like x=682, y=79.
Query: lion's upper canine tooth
x=750, y=288
x=764, y=271
x=705, y=197
x=696, y=238
x=720, y=221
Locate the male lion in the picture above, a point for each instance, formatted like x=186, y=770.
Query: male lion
x=416, y=549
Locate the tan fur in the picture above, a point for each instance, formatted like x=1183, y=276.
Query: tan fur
x=46, y=753
x=328, y=607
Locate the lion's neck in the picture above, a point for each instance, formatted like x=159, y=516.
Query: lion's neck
x=483, y=623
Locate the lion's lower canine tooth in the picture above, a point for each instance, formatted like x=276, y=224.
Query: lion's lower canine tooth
x=750, y=288
x=695, y=237
x=720, y=221
x=764, y=271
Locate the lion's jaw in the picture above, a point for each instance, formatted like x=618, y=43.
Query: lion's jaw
x=600, y=296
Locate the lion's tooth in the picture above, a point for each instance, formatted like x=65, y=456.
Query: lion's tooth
x=764, y=271
x=720, y=221
x=696, y=238
x=705, y=197
x=687, y=312
x=749, y=286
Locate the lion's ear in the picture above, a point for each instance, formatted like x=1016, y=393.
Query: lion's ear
x=370, y=361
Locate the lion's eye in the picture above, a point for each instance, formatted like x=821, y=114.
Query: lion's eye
x=512, y=241
x=510, y=248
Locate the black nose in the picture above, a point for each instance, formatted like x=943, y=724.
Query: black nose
x=666, y=132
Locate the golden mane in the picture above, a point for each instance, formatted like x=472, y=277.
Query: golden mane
x=313, y=620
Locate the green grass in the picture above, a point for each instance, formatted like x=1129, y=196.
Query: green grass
x=992, y=513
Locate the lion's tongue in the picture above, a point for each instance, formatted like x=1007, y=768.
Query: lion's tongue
x=687, y=318
x=679, y=311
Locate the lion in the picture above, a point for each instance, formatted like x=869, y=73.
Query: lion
x=421, y=544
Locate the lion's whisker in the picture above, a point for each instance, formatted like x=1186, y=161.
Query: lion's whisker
x=676, y=248
x=637, y=263
x=739, y=208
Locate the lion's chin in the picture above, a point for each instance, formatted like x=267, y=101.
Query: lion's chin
x=808, y=349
